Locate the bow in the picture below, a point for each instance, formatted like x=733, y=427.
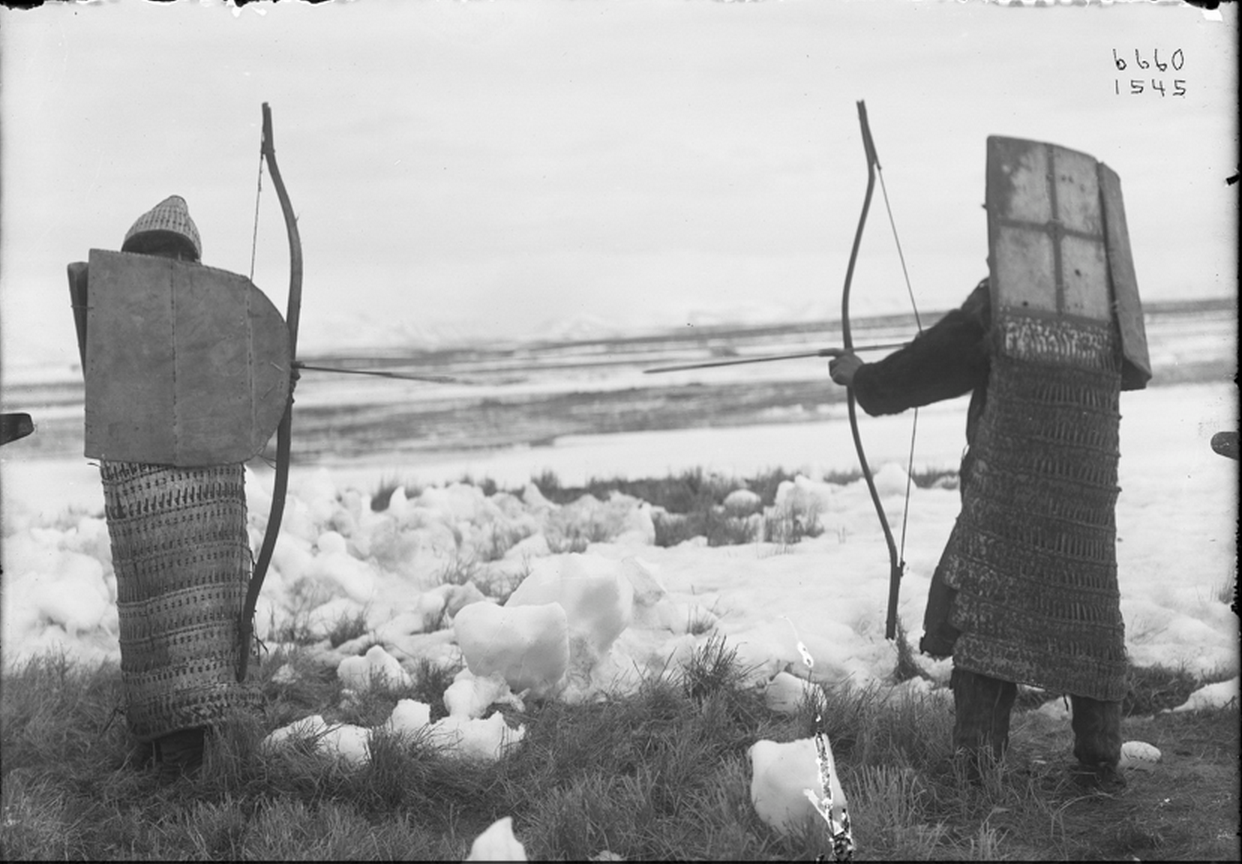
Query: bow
x=284, y=430
x=896, y=564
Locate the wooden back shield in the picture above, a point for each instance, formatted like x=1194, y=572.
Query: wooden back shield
x=1058, y=243
x=185, y=365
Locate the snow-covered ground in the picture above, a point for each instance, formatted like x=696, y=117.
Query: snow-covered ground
x=1177, y=524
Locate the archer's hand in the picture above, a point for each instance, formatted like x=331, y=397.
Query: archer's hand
x=842, y=369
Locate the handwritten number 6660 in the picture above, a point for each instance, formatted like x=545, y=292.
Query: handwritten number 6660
x=1177, y=61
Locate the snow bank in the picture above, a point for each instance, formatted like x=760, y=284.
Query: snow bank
x=431, y=577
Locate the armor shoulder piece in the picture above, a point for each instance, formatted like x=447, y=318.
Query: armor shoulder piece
x=77, y=299
x=185, y=365
x=1136, y=370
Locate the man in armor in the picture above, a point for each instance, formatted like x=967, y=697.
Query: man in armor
x=178, y=395
x=1026, y=591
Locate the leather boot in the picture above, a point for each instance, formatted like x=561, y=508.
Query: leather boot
x=1097, y=743
x=982, y=707
x=180, y=751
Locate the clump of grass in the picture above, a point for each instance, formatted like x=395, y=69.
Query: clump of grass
x=347, y=628
x=888, y=806
x=487, y=485
x=928, y=478
x=691, y=504
x=650, y=776
x=714, y=524
x=766, y=485
x=382, y=496
x=574, y=544
x=293, y=628
x=687, y=492
x=497, y=583
x=499, y=541
x=576, y=537
x=907, y=664
x=660, y=773
x=867, y=728
x=57, y=709
x=699, y=623
x=461, y=569
x=1151, y=689
x=430, y=682
x=713, y=668
x=788, y=525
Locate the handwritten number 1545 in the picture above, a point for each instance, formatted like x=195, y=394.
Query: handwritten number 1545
x=1138, y=85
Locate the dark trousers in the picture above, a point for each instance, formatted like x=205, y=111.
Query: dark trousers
x=983, y=705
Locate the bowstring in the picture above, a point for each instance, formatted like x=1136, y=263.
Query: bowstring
x=258, y=191
x=914, y=427
x=901, y=255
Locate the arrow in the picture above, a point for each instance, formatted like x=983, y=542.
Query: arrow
x=434, y=379
x=767, y=358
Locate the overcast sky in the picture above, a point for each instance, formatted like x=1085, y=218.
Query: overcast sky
x=494, y=169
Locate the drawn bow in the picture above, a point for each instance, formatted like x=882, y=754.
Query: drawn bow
x=897, y=565
x=284, y=430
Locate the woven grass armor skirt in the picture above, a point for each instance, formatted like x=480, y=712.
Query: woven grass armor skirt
x=1033, y=554
x=181, y=553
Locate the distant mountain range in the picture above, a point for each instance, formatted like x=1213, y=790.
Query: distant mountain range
x=528, y=393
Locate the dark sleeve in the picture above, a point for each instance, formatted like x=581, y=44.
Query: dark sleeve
x=946, y=360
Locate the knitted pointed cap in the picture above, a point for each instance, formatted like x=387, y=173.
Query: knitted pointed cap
x=169, y=219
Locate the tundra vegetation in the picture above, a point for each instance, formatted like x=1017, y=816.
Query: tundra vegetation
x=657, y=774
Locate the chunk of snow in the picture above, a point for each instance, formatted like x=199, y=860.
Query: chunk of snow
x=535, y=499
x=528, y=645
x=377, y=667
x=428, y=608
x=308, y=728
x=331, y=543
x=781, y=774
x=786, y=693
x=644, y=578
x=1216, y=695
x=459, y=502
x=340, y=569
x=497, y=843
x=596, y=594
x=1139, y=756
x=471, y=695
x=891, y=479
x=487, y=739
x=408, y=716
x=620, y=519
x=457, y=597
x=348, y=743
x=74, y=594
x=742, y=500
x=1057, y=709
x=534, y=546
x=324, y=617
